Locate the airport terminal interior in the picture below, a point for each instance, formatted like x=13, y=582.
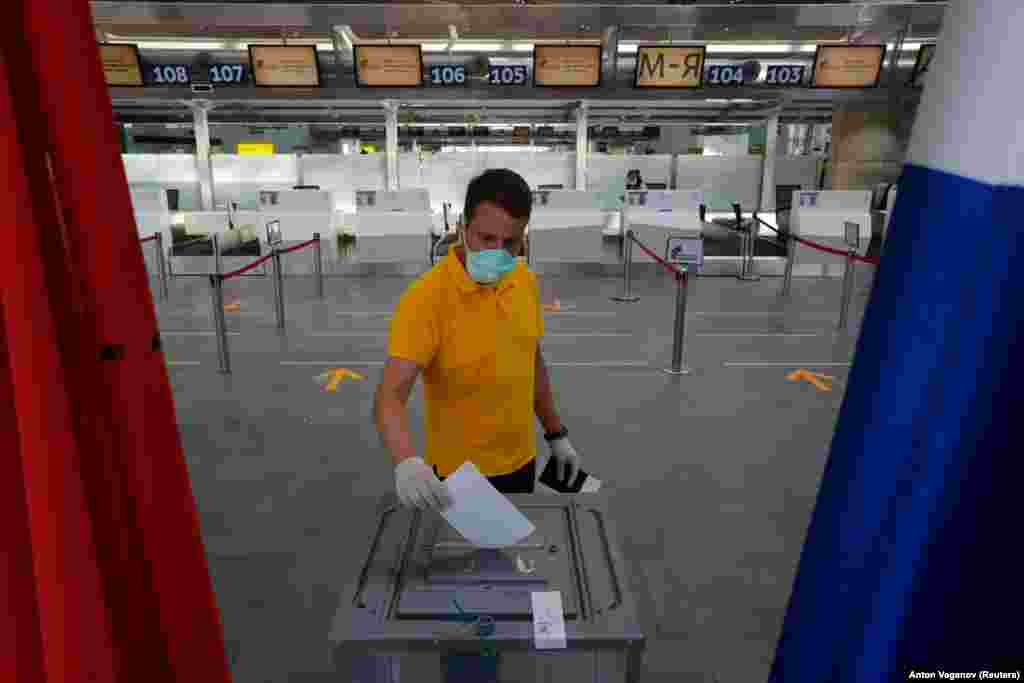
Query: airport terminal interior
x=712, y=184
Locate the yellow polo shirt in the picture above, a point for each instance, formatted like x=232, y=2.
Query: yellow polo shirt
x=477, y=346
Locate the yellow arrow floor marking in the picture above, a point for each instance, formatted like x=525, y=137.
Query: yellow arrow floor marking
x=822, y=382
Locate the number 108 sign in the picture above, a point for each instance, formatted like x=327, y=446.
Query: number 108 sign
x=181, y=74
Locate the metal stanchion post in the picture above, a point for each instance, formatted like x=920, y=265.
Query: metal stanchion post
x=680, y=328
x=787, y=277
x=844, y=306
x=217, y=296
x=627, y=272
x=751, y=251
x=161, y=266
x=218, y=266
x=318, y=266
x=278, y=289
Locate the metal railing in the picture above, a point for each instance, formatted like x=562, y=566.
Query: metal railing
x=217, y=291
x=682, y=290
x=849, y=268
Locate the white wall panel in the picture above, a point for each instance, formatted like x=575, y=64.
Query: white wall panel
x=161, y=168
x=607, y=170
x=724, y=180
x=800, y=170
x=343, y=174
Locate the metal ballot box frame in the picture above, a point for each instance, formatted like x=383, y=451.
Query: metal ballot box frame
x=420, y=580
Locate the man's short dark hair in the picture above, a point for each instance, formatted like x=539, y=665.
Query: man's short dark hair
x=499, y=186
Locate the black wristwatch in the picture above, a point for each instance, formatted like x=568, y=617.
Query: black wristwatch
x=555, y=436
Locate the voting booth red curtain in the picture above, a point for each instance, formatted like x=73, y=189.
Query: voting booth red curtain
x=104, y=574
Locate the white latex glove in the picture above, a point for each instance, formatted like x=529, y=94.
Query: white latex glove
x=417, y=486
x=567, y=460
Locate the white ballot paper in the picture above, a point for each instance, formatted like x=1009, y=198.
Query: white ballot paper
x=548, y=620
x=481, y=513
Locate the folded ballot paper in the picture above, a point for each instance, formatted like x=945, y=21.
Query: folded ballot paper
x=481, y=513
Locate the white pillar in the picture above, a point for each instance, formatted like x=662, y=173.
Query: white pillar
x=391, y=143
x=582, y=149
x=201, y=125
x=771, y=142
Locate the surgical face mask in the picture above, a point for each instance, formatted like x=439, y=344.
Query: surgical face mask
x=490, y=265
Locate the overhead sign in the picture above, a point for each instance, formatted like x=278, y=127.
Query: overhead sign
x=445, y=74
x=567, y=66
x=508, y=74
x=389, y=66
x=181, y=74
x=121, y=65
x=783, y=74
x=255, y=148
x=921, y=66
x=724, y=74
x=285, y=66
x=668, y=66
x=847, y=66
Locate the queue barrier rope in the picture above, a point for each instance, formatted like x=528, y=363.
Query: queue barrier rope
x=151, y=237
x=263, y=259
x=668, y=266
x=873, y=260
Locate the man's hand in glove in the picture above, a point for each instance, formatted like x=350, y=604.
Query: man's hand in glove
x=567, y=460
x=417, y=486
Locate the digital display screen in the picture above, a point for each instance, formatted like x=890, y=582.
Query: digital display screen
x=848, y=66
x=121, y=65
x=567, y=66
x=391, y=66
x=670, y=66
x=285, y=66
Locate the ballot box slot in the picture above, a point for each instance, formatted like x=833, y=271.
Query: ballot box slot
x=599, y=536
x=395, y=589
x=578, y=566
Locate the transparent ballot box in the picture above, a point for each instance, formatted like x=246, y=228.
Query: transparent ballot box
x=426, y=598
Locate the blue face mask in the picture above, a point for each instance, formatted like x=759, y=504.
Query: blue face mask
x=488, y=266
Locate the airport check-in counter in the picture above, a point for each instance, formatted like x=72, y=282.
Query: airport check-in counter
x=567, y=226
x=820, y=216
x=392, y=227
x=399, y=615
x=238, y=239
x=656, y=215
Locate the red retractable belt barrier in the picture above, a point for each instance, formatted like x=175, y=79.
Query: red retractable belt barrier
x=106, y=576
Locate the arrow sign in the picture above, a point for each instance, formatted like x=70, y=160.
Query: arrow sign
x=557, y=306
x=335, y=376
x=822, y=382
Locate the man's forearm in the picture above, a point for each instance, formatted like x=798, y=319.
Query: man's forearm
x=544, y=401
x=392, y=425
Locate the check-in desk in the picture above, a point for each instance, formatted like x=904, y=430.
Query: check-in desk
x=566, y=227
x=392, y=228
x=149, y=205
x=820, y=216
x=656, y=215
x=406, y=608
x=238, y=240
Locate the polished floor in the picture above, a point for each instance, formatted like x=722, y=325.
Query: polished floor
x=714, y=474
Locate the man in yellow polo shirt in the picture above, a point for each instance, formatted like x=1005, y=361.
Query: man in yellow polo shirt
x=471, y=326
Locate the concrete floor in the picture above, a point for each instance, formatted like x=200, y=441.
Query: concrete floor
x=714, y=474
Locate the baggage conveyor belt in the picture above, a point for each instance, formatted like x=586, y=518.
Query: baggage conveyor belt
x=420, y=579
